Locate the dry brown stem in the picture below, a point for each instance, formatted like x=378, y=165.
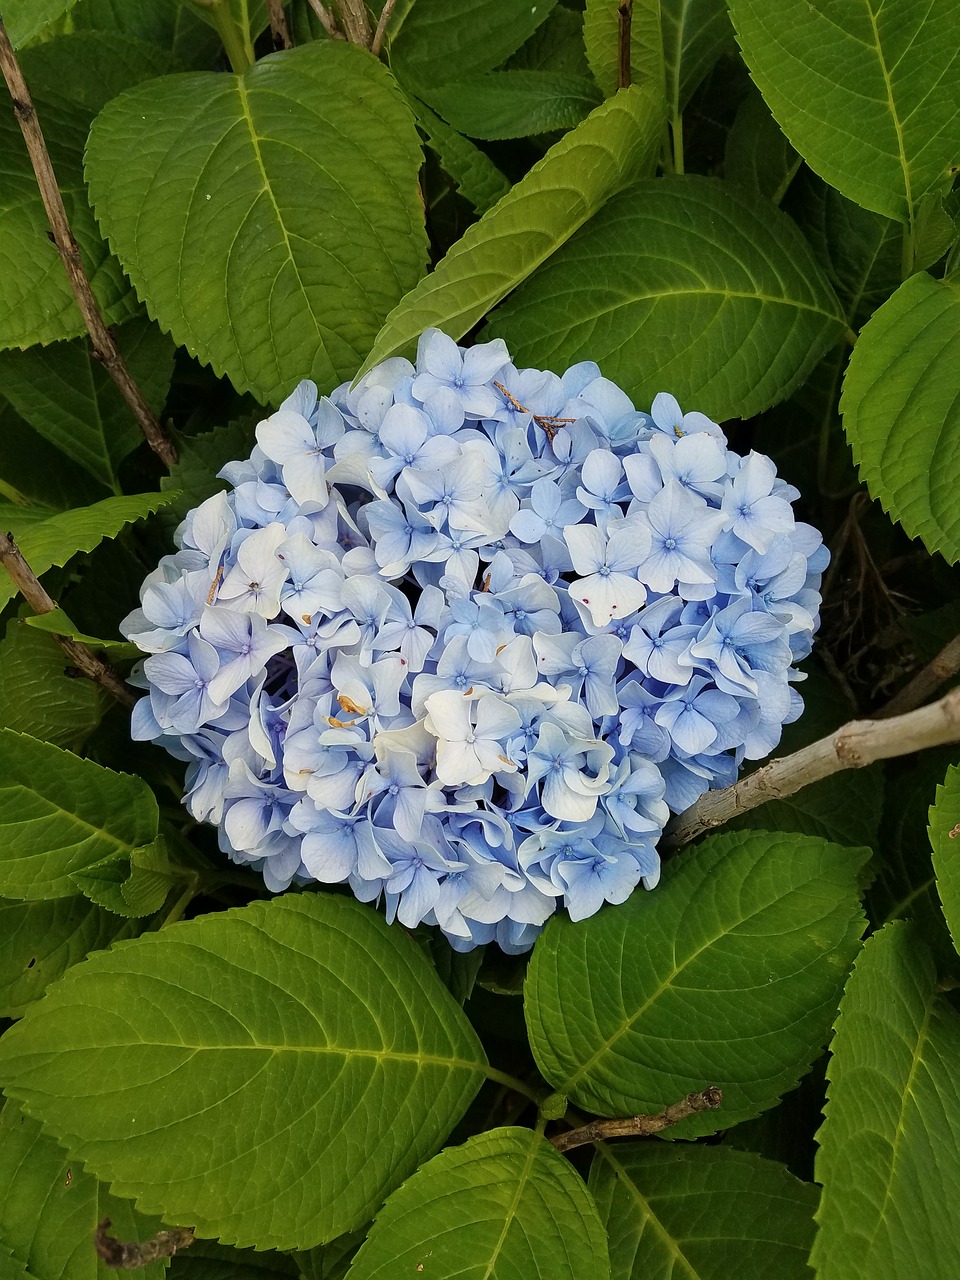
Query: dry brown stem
x=104, y=346
x=84, y=659
x=852, y=746
x=640, y=1126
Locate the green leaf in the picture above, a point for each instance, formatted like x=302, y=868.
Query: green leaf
x=476, y=177
x=727, y=974
x=901, y=410
x=556, y=45
x=261, y=178
x=268, y=1074
x=26, y=18
x=695, y=34
x=614, y=145
x=944, y=824
x=208, y=1260
x=860, y=251
x=681, y=284
x=58, y=539
x=60, y=814
x=70, y=79
x=905, y=886
x=57, y=623
x=131, y=885
x=844, y=807
x=37, y=697
x=868, y=93
x=889, y=1148
x=38, y=473
x=329, y=1261
x=71, y=400
x=513, y=104
x=698, y=1211
x=176, y=25
x=601, y=41
x=504, y=1204
x=50, y=1207
x=444, y=40
x=41, y=940
x=758, y=156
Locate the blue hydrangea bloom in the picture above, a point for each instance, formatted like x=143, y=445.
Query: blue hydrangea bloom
x=460, y=637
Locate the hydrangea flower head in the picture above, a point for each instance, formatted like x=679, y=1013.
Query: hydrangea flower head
x=463, y=635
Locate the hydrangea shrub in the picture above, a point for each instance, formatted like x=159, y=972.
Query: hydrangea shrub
x=462, y=635
x=330, y=966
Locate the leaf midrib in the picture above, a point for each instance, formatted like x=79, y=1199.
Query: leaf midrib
x=625, y=1180
x=663, y=986
x=511, y=1212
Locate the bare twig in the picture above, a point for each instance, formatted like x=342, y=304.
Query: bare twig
x=381, y=31
x=356, y=24
x=278, y=25
x=925, y=682
x=327, y=20
x=640, y=1126
x=131, y=1255
x=545, y=422
x=852, y=746
x=104, y=347
x=624, y=23
x=33, y=592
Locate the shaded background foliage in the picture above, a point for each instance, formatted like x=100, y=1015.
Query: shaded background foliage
x=764, y=224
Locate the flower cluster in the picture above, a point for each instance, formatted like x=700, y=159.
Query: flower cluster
x=462, y=636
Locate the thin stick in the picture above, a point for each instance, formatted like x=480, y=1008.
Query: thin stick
x=129, y=1255
x=381, y=31
x=925, y=682
x=33, y=592
x=104, y=346
x=278, y=25
x=640, y=1126
x=624, y=23
x=356, y=24
x=327, y=20
x=853, y=746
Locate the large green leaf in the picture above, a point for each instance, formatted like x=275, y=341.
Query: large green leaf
x=601, y=41
x=859, y=250
x=268, y=1074
x=70, y=79
x=176, y=25
x=944, y=832
x=49, y=1207
x=681, y=284
x=36, y=694
x=504, y=1204
x=901, y=410
x=60, y=814
x=889, y=1148
x=71, y=400
x=56, y=540
x=616, y=144
x=727, y=974
x=445, y=39
x=867, y=92
x=38, y=473
x=704, y=1212
x=695, y=34
x=556, y=45
x=40, y=940
x=477, y=178
x=757, y=155
x=26, y=18
x=513, y=104
x=270, y=221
